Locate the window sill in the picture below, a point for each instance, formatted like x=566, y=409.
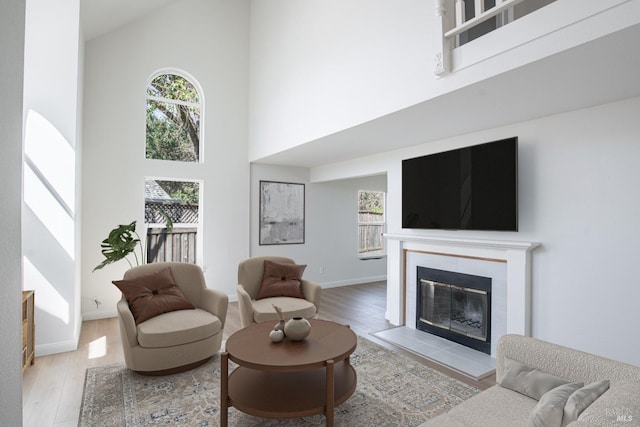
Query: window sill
x=371, y=256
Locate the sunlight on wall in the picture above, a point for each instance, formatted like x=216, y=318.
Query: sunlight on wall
x=49, y=211
x=47, y=297
x=49, y=179
x=98, y=348
x=52, y=155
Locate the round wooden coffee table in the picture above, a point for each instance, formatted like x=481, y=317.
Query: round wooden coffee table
x=288, y=379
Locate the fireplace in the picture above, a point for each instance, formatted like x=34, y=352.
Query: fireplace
x=455, y=306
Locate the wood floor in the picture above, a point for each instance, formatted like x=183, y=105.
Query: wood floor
x=52, y=387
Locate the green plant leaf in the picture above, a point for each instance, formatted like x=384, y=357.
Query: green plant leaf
x=121, y=242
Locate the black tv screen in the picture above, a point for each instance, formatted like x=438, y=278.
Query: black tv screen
x=471, y=188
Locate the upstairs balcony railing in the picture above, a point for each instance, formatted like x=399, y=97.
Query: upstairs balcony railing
x=462, y=21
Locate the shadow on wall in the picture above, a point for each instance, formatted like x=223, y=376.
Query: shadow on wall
x=49, y=218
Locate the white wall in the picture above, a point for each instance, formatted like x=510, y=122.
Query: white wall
x=327, y=69
x=330, y=250
x=578, y=178
x=12, y=24
x=50, y=217
x=209, y=40
x=333, y=64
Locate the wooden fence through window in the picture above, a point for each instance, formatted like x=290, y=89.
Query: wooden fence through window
x=370, y=229
x=177, y=245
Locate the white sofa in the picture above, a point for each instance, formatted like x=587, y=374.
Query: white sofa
x=500, y=406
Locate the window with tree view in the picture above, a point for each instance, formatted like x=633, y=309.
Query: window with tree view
x=371, y=222
x=173, y=119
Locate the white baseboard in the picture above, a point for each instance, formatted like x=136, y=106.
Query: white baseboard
x=334, y=284
x=387, y=316
x=54, y=348
x=106, y=314
x=99, y=314
x=349, y=282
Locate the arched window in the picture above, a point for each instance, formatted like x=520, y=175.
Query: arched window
x=173, y=119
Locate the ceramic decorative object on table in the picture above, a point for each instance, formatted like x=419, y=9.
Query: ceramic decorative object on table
x=276, y=335
x=280, y=324
x=297, y=328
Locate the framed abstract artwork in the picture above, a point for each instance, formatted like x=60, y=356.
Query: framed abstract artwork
x=281, y=213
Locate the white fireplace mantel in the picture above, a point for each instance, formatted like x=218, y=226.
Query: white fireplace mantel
x=516, y=255
x=466, y=242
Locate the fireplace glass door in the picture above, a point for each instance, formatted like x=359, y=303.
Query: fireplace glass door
x=458, y=309
x=457, y=312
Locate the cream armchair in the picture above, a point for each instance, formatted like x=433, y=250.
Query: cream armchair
x=250, y=273
x=177, y=340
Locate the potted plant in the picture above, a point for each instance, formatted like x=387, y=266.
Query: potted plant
x=122, y=241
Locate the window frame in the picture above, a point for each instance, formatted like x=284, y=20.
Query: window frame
x=383, y=252
x=199, y=248
x=201, y=105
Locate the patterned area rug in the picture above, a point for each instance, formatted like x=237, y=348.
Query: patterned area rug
x=392, y=390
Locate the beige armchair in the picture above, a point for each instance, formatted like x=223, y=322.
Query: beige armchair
x=250, y=273
x=177, y=340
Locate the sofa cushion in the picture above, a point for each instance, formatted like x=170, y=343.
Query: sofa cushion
x=177, y=328
x=281, y=280
x=581, y=399
x=550, y=409
x=495, y=406
x=619, y=405
x=153, y=294
x=263, y=309
x=527, y=380
x=580, y=423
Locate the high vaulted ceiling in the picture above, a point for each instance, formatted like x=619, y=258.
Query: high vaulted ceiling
x=603, y=70
x=99, y=17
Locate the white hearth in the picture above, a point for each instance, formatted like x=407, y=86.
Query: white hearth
x=507, y=263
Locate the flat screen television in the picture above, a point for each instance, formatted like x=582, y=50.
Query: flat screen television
x=471, y=188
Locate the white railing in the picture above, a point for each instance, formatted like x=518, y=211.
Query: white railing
x=453, y=22
x=463, y=24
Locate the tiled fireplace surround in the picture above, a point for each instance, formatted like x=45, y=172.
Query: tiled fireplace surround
x=507, y=263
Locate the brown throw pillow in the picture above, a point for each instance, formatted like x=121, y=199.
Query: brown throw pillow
x=281, y=280
x=154, y=294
